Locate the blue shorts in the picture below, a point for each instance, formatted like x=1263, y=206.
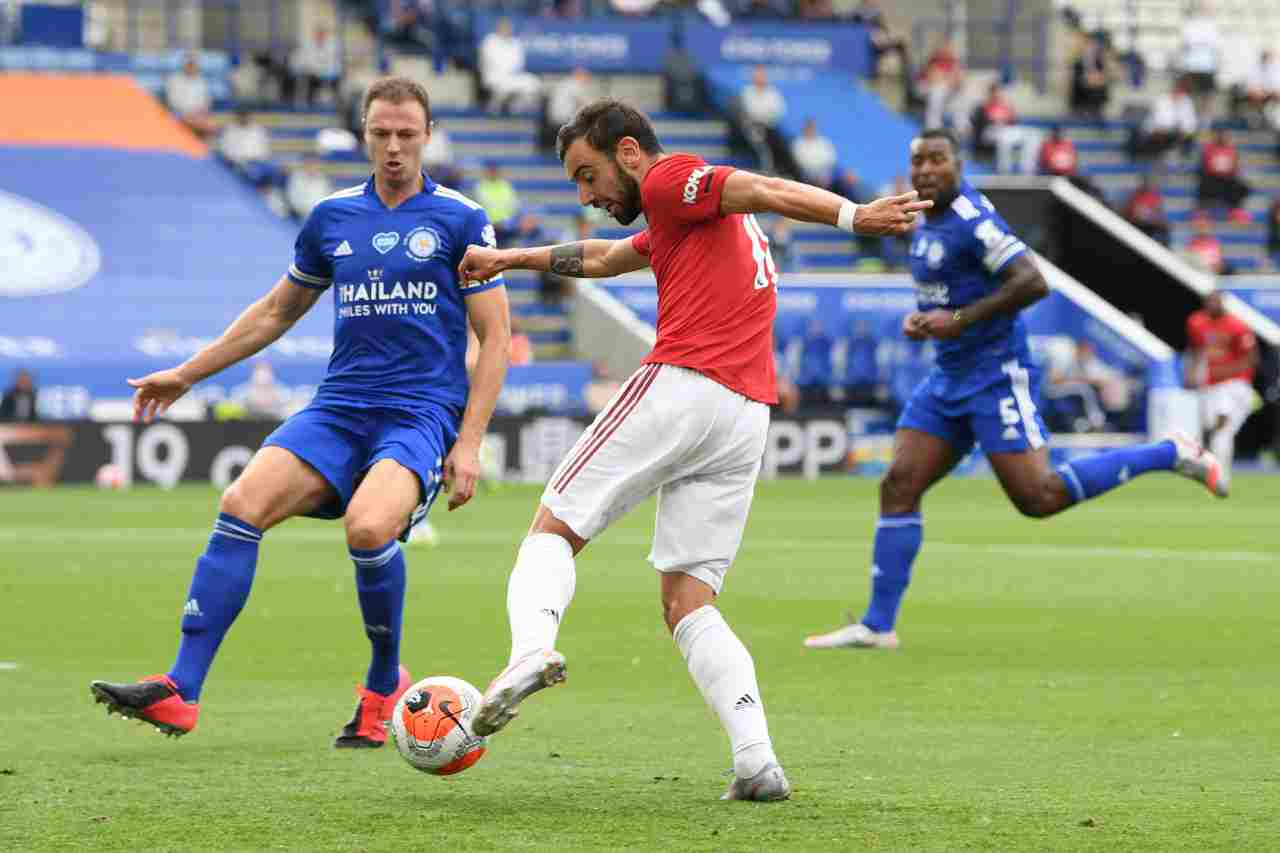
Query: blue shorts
x=994, y=407
x=344, y=442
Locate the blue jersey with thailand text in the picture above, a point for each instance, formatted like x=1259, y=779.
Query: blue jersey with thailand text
x=400, y=318
x=956, y=259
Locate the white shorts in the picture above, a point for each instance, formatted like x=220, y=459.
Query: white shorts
x=1232, y=399
x=673, y=431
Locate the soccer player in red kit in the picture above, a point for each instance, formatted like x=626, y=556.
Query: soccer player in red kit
x=689, y=425
x=1223, y=356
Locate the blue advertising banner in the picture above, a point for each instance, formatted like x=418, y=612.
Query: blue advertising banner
x=842, y=47
x=597, y=44
x=69, y=389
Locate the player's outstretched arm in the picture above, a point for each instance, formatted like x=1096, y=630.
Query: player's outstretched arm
x=584, y=259
x=261, y=324
x=747, y=192
x=490, y=316
x=1021, y=284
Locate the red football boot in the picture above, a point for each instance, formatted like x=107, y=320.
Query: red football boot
x=153, y=700
x=368, y=726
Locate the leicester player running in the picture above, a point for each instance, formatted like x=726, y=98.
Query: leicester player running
x=393, y=421
x=973, y=276
x=689, y=425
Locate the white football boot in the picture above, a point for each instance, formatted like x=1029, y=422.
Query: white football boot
x=533, y=672
x=1197, y=463
x=854, y=636
x=767, y=786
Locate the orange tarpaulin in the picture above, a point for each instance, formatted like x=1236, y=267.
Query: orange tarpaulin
x=98, y=111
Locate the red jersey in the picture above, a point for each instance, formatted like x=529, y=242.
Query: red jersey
x=1221, y=339
x=1207, y=248
x=1220, y=160
x=1146, y=206
x=1058, y=158
x=717, y=285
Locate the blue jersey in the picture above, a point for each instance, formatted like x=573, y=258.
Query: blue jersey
x=400, y=319
x=956, y=259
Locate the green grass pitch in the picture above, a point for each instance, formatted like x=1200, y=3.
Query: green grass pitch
x=1106, y=680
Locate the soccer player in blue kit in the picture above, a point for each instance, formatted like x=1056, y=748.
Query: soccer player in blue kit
x=972, y=277
x=394, y=420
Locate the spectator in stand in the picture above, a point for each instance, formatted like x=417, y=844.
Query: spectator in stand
x=870, y=15
x=1220, y=182
x=995, y=128
x=314, y=65
x=437, y=157
x=942, y=82
x=498, y=196
x=1058, y=155
x=567, y=97
x=188, y=97
x=815, y=156
x=247, y=147
x=411, y=24
x=1201, y=54
x=1171, y=124
x=1204, y=250
x=307, y=186
x=782, y=245
x=1091, y=78
x=1259, y=93
x=1097, y=388
x=683, y=89
x=19, y=402
x=264, y=397
x=501, y=65
x=761, y=107
x=1145, y=211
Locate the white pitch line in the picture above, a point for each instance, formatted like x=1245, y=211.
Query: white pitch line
x=511, y=538
x=7, y=665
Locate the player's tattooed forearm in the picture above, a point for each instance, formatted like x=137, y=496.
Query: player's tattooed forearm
x=568, y=259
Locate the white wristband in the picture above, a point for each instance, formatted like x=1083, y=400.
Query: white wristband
x=844, y=221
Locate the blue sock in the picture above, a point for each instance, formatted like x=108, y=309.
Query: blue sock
x=380, y=585
x=898, y=539
x=1097, y=473
x=219, y=589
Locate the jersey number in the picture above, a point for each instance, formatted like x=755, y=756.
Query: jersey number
x=766, y=272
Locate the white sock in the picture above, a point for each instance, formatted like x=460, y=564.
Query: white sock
x=539, y=592
x=723, y=670
x=1223, y=446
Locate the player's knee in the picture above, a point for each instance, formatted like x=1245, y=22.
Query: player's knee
x=898, y=490
x=237, y=502
x=366, y=531
x=1035, y=503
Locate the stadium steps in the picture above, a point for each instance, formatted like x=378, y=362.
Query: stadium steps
x=1104, y=159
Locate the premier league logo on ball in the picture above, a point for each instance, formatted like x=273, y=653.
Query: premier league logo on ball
x=422, y=243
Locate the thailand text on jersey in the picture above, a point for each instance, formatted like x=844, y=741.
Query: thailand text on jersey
x=717, y=284
x=956, y=259
x=399, y=330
